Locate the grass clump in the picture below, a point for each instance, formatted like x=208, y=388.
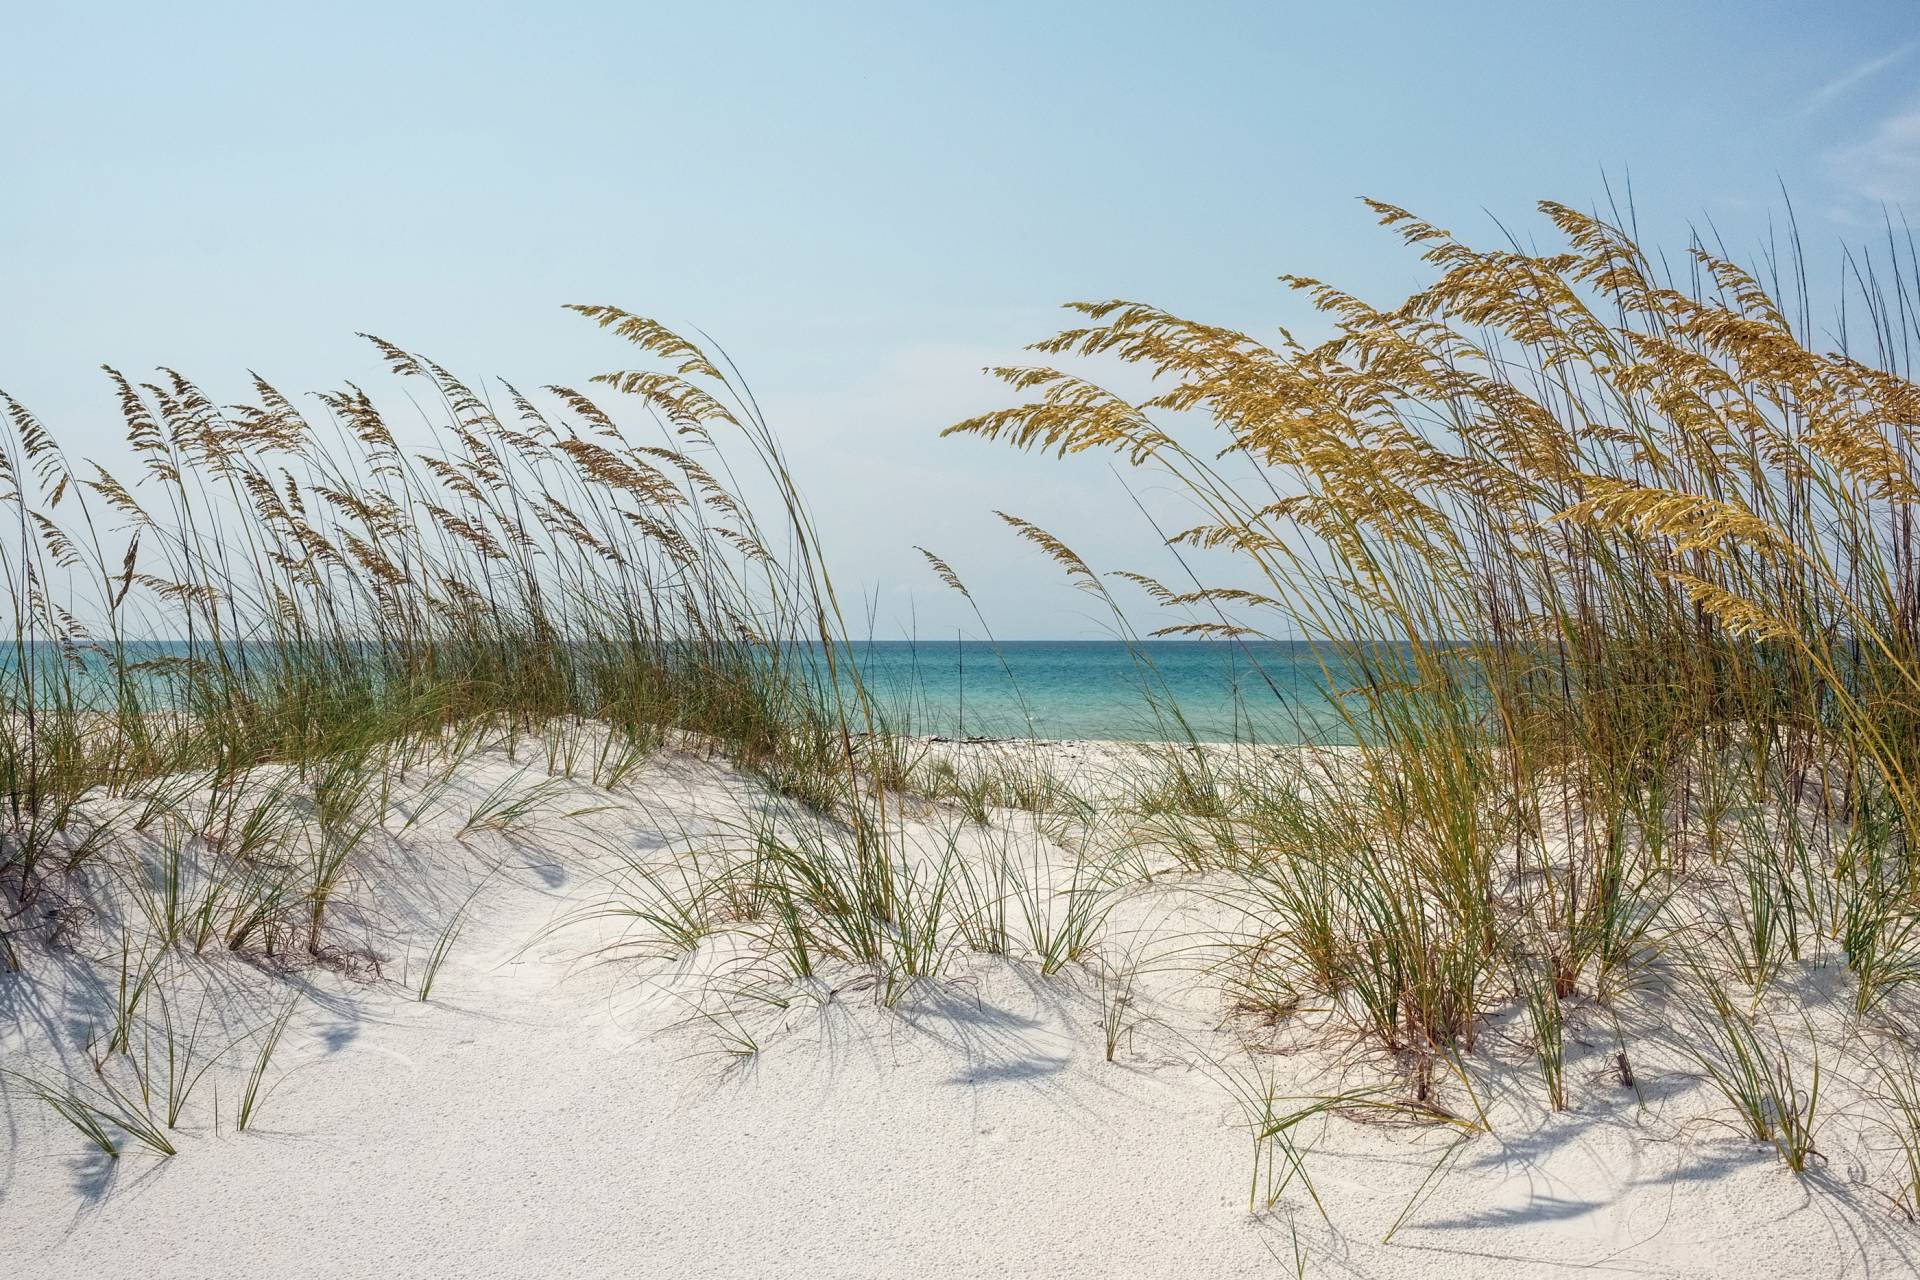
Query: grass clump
x=1756, y=1074
x=327, y=601
x=1613, y=577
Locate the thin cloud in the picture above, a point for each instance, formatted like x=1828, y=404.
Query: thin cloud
x=1864, y=71
x=1885, y=166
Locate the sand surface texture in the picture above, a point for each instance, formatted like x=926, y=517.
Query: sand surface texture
x=578, y=1098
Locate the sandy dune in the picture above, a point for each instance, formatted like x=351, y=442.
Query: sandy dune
x=571, y=1103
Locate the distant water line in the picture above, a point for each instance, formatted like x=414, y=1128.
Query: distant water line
x=1216, y=691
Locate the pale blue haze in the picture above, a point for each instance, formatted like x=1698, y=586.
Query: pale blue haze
x=865, y=202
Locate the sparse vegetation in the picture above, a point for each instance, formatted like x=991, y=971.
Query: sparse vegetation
x=1613, y=578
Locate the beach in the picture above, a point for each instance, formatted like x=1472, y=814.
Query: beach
x=578, y=1097
x=455, y=826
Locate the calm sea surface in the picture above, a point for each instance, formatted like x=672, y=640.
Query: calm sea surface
x=1221, y=690
x=1150, y=691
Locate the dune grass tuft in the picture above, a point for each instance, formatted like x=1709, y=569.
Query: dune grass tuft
x=1615, y=577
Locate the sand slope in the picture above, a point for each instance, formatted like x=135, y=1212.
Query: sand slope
x=558, y=1109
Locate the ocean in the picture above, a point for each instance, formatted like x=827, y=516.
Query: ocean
x=1216, y=691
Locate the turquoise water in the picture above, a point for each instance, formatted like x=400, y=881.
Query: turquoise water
x=1223, y=690
x=1151, y=691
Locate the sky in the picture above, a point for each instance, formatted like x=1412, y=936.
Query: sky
x=866, y=203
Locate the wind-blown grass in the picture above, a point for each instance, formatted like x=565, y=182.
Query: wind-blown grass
x=1616, y=576
x=323, y=592
x=1615, y=579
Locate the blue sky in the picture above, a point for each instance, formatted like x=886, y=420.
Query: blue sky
x=864, y=202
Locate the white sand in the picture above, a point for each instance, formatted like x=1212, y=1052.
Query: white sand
x=555, y=1110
